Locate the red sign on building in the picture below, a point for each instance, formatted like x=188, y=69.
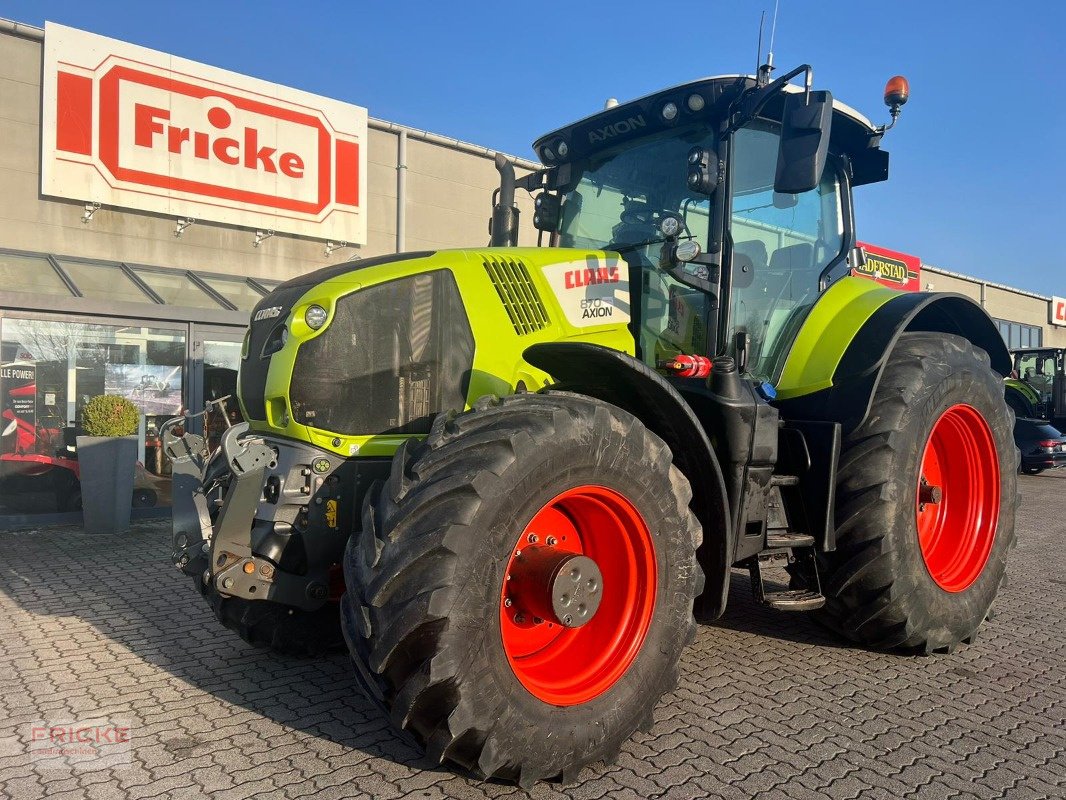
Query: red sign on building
x=891, y=268
x=1058, y=310
x=131, y=127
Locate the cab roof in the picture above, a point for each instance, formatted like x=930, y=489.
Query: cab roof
x=851, y=130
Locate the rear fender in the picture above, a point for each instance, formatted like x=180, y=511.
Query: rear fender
x=844, y=386
x=623, y=381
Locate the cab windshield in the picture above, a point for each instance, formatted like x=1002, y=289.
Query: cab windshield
x=619, y=195
x=616, y=202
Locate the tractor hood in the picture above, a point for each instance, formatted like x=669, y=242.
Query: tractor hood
x=356, y=357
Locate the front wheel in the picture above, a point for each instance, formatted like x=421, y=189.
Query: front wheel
x=283, y=629
x=926, y=498
x=522, y=587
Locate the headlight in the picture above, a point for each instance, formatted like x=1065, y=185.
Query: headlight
x=669, y=112
x=315, y=317
x=687, y=250
x=670, y=227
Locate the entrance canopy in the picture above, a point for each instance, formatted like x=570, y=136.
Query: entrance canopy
x=67, y=283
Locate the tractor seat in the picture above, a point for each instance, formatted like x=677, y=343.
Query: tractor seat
x=754, y=250
x=793, y=257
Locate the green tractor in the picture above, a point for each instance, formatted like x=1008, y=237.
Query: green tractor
x=510, y=478
x=1037, y=386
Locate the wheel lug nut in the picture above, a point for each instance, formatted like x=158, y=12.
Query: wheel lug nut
x=508, y=603
x=532, y=538
x=551, y=541
x=519, y=618
x=537, y=620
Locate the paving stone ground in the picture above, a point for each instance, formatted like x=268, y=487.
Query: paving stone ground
x=769, y=705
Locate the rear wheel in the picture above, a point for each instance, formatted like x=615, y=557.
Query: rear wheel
x=925, y=502
x=522, y=587
x=1032, y=470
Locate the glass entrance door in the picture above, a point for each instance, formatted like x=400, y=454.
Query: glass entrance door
x=216, y=357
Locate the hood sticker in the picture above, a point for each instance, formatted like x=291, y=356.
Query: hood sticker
x=594, y=291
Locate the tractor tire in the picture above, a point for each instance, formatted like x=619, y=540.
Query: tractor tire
x=926, y=493
x=508, y=684
x=144, y=498
x=70, y=501
x=283, y=629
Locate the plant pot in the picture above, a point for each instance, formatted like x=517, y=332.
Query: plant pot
x=107, y=464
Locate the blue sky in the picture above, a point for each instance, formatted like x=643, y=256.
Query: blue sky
x=978, y=158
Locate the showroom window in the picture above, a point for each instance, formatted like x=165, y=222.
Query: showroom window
x=50, y=370
x=75, y=327
x=1020, y=336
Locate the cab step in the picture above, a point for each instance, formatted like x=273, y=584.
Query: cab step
x=793, y=600
x=784, y=549
x=783, y=541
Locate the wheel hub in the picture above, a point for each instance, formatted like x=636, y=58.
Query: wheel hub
x=957, y=499
x=578, y=595
x=929, y=494
x=550, y=584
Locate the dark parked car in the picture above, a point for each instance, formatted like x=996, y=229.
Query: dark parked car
x=1043, y=447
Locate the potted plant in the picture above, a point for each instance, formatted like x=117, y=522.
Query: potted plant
x=107, y=457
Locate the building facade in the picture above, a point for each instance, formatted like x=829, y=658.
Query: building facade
x=130, y=254
x=154, y=304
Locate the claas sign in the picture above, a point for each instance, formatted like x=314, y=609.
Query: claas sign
x=890, y=268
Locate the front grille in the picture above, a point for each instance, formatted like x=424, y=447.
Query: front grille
x=393, y=356
x=519, y=297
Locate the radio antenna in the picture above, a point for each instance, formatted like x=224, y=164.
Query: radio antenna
x=766, y=69
x=758, y=54
x=773, y=32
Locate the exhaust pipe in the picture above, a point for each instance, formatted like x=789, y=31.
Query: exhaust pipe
x=503, y=229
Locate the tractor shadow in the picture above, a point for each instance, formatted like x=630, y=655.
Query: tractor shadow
x=125, y=589
x=744, y=615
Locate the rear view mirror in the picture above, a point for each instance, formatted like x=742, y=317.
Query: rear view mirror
x=804, y=142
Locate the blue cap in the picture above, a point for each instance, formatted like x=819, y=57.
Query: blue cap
x=767, y=390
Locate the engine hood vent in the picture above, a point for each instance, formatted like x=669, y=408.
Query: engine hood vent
x=519, y=296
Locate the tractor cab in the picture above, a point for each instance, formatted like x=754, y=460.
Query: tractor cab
x=729, y=197
x=1038, y=387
